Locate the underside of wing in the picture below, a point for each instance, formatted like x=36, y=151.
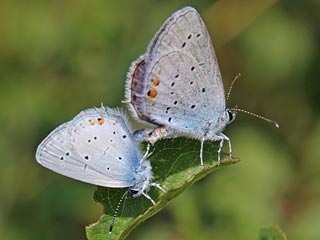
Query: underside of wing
x=181, y=43
x=179, y=99
x=103, y=140
x=185, y=31
x=57, y=153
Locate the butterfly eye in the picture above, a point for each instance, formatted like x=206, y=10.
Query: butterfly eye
x=231, y=115
x=133, y=191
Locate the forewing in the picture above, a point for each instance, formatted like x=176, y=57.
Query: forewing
x=183, y=100
x=59, y=153
x=103, y=141
x=183, y=35
x=56, y=153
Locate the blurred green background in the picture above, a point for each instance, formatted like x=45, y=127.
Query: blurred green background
x=60, y=57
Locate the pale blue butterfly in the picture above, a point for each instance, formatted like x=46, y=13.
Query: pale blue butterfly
x=177, y=84
x=97, y=147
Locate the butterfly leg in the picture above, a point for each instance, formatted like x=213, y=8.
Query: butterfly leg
x=146, y=154
x=157, y=185
x=219, y=150
x=148, y=197
x=201, y=152
x=141, y=192
x=145, y=194
x=222, y=138
x=229, y=142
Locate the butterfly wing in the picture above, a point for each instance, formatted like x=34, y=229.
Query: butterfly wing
x=64, y=150
x=180, y=72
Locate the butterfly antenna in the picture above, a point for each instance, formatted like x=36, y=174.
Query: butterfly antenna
x=257, y=116
x=233, y=82
x=116, y=212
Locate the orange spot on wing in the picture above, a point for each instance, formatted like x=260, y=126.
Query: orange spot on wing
x=100, y=121
x=152, y=93
x=91, y=122
x=155, y=82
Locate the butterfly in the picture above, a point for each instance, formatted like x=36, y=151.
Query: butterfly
x=177, y=84
x=97, y=147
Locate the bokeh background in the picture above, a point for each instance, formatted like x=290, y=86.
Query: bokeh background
x=60, y=57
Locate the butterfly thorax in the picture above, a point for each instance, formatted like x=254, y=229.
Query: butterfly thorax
x=217, y=126
x=143, y=179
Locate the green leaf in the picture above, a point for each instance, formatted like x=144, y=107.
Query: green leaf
x=272, y=233
x=176, y=165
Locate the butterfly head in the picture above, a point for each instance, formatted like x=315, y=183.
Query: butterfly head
x=228, y=116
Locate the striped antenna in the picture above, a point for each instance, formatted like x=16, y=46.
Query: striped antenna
x=116, y=212
x=257, y=116
x=231, y=86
